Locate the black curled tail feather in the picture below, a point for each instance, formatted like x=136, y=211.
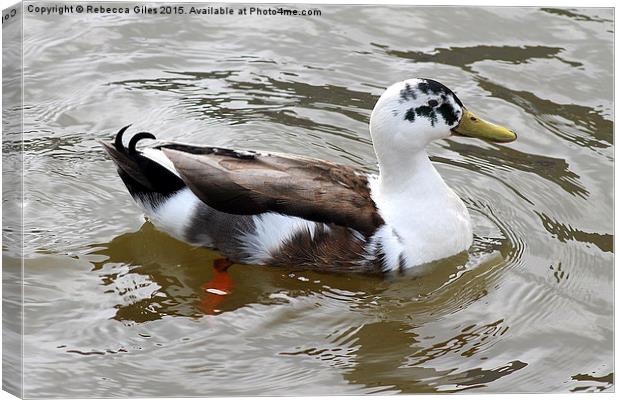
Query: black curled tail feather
x=143, y=177
x=136, y=138
x=131, y=148
x=118, y=140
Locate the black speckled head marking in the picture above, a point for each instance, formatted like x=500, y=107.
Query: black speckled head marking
x=410, y=115
x=407, y=93
x=429, y=86
x=427, y=112
x=441, y=103
x=449, y=114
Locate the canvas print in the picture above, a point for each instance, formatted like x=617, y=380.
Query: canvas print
x=206, y=199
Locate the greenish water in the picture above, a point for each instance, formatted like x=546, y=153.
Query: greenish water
x=115, y=308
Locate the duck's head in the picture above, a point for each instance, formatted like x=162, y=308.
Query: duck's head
x=412, y=113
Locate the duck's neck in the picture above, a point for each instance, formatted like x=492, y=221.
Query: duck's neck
x=410, y=179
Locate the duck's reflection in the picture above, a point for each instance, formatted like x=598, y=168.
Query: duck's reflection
x=157, y=276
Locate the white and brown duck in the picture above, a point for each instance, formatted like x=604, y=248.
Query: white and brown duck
x=289, y=210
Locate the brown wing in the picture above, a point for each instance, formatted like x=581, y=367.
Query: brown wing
x=251, y=183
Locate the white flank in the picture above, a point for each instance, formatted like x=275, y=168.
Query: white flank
x=272, y=230
x=160, y=158
x=173, y=215
x=391, y=247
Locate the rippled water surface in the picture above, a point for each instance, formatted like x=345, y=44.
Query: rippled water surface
x=116, y=308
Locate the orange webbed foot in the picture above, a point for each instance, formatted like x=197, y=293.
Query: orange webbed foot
x=218, y=287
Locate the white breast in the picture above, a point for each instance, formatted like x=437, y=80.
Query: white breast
x=421, y=225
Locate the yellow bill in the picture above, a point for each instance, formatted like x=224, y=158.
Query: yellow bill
x=473, y=126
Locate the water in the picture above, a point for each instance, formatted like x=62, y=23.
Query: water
x=116, y=308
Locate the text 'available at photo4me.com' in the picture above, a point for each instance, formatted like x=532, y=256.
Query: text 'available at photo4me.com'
x=161, y=9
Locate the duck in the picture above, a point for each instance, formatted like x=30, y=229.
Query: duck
x=275, y=209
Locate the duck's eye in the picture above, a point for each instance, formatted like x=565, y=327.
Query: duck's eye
x=432, y=103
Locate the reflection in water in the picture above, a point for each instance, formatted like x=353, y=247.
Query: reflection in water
x=262, y=98
x=471, y=336
x=155, y=276
x=465, y=56
x=492, y=158
x=587, y=119
x=564, y=232
x=574, y=15
x=603, y=382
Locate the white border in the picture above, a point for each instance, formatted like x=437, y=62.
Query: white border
x=527, y=3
